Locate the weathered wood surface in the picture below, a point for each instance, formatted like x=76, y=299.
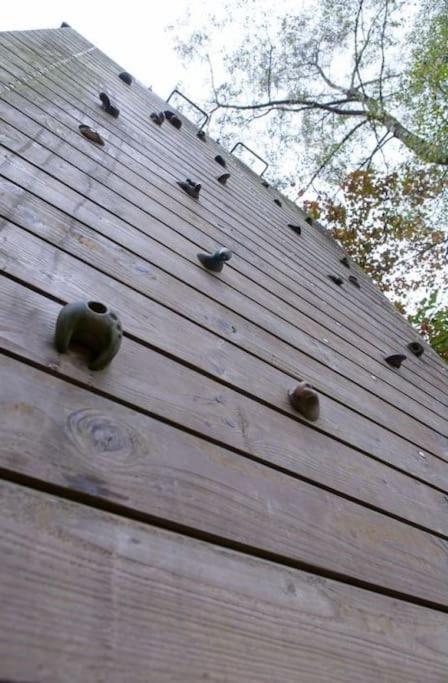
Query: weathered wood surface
x=153, y=384
x=90, y=596
x=388, y=372
x=144, y=127
x=60, y=434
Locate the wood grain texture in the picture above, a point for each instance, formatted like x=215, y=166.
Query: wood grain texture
x=61, y=434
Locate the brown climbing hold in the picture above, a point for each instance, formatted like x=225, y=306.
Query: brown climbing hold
x=223, y=178
x=305, y=399
x=90, y=134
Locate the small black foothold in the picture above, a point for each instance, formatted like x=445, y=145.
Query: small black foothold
x=309, y=220
x=215, y=261
x=90, y=134
x=157, y=118
x=305, y=399
x=191, y=188
x=345, y=262
x=416, y=348
x=278, y=202
x=336, y=279
x=65, y=25
x=395, y=360
x=296, y=228
x=173, y=119
x=354, y=280
x=201, y=135
x=108, y=106
x=265, y=183
x=220, y=160
x=125, y=77
x=223, y=178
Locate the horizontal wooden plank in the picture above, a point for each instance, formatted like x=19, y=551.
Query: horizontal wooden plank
x=195, y=346
x=154, y=384
x=58, y=433
x=89, y=596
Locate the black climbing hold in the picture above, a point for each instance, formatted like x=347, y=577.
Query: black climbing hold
x=93, y=325
x=190, y=188
x=65, y=25
x=336, y=279
x=395, y=360
x=309, y=220
x=354, y=280
x=305, y=399
x=125, y=77
x=157, y=118
x=265, y=183
x=220, y=160
x=108, y=106
x=278, y=202
x=90, y=134
x=416, y=348
x=173, y=119
x=215, y=261
x=345, y=262
x=201, y=135
x=223, y=178
x=296, y=228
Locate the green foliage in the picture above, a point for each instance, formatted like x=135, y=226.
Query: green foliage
x=431, y=319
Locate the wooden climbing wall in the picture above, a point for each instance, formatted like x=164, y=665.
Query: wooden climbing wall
x=172, y=518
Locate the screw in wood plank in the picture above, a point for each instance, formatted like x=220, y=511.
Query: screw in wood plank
x=108, y=106
x=201, y=135
x=278, y=202
x=336, y=279
x=345, y=262
x=305, y=399
x=416, y=348
x=224, y=178
x=90, y=134
x=220, y=160
x=295, y=228
x=173, y=119
x=94, y=326
x=125, y=77
x=191, y=188
x=354, y=280
x=395, y=360
x=157, y=118
x=215, y=262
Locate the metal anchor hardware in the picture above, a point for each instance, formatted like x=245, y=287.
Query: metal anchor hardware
x=157, y=118
x=416, y=348
x=395, y=360
x=173, y=119
x=108, y=106
x=190, y=188
x=354, y=280
x=336, y=279
x=295, y=228
x=305, y=399
x=125, y=77
x=215, y=262
x=91, y=135
x=224, y=178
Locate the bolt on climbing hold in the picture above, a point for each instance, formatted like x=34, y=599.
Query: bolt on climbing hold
x=173, y=119
x=304, y=398
x=125, y=77
x=265, y=183
x=345, y=262
x=309, y=220
x=224, y=178
x=220, y=160
x=354, y=280
x=108, y=106
x=416, y=348
x=395, y=360
x=295, y=228
x=215, y=261
x=278, y=202
x=93, y=325
x=157, y=118
x=65, y=25
x=190, y=188
x=90, y=134
x=201, y=135
x=336, y=279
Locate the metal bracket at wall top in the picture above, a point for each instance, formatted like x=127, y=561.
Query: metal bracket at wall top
x=193, y=104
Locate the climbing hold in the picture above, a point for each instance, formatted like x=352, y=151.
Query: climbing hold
x=215, y=261
x=309, y=220
x=93, y=325
x=90, y=134
x=265, y=183
x=395, y=360
x=304, y=398
x=278, y=202
x=157, y=118
x=173, y=119
x=127, y=78
x=296, y=228
x=65, y=25
x=190, y=188
x=220, y=160
x=345, y=262
x=416, y=348
x=108, y=106
x=354, y=280
x=336, y=279
x=201, y=135
x=223, y=178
